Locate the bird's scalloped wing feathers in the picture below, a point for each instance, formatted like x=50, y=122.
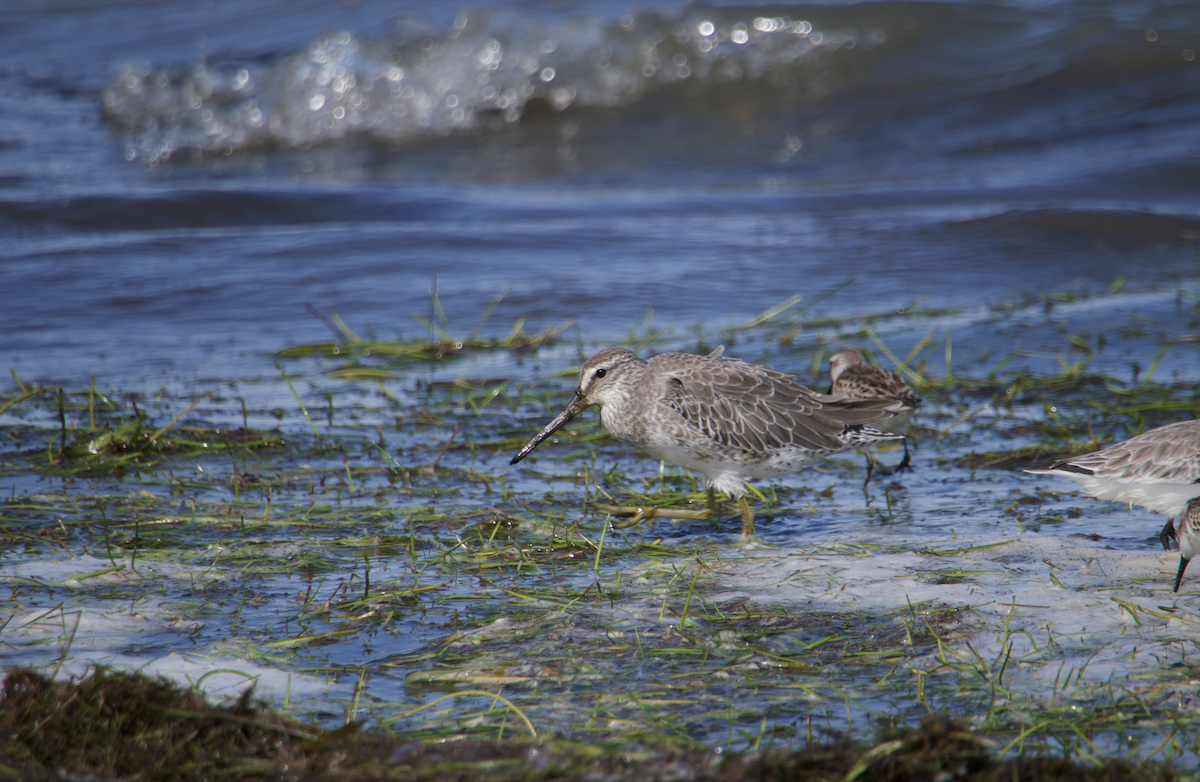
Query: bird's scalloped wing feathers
x=1169, y=454
x=757, y=410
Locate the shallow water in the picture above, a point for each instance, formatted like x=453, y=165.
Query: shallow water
x=965, y=152
x=176, y=185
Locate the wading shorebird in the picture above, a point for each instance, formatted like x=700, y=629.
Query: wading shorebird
x=1158, y=470
x=728, y=420
x=853, y=378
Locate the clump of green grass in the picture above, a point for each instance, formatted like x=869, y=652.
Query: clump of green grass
x=98, y=435
x=131, y=444
x=439, y=345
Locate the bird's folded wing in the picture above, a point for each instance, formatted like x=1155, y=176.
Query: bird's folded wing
x=1169, y=457
x=759, y=410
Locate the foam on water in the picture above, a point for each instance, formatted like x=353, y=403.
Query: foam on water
x=1064, y=604
x=487, y=70
x=92, y=631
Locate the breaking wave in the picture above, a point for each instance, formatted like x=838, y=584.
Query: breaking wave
x=484, y=73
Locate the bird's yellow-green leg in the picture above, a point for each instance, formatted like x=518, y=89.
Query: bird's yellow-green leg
x=747, y=518
x=711, y=504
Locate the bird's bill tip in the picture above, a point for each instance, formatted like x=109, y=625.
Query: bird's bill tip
x=1183, y=563
x=573, y=408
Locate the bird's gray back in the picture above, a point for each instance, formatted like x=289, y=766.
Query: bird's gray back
x=753, y=408
x=1168, y=454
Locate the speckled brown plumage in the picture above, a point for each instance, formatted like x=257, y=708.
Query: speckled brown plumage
x=853, y=378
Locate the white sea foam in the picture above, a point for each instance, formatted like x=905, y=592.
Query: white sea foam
x=83, y=631
x=1076, y=613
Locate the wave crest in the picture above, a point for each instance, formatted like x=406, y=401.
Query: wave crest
x=483, y=73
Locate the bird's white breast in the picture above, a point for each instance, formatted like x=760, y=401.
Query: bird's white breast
x=1168, y=498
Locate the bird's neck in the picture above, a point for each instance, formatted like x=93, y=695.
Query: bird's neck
x=616, y=413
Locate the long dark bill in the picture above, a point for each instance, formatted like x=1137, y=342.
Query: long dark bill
x=1183, y=563
x=573, y=408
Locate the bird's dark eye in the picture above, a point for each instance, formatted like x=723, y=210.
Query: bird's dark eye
x=601, y=372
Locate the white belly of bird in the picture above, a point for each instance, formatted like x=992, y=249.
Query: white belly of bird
x=730, y=475
x=1168, y=498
